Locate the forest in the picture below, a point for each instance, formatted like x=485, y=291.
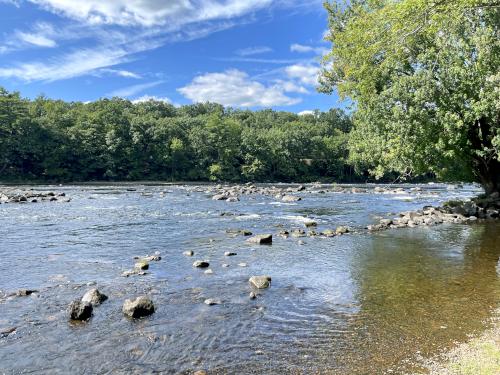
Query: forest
x=117, y=140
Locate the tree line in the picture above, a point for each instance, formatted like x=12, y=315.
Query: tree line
x=115, y=139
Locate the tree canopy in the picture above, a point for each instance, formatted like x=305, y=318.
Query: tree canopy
x=425, y=81
x=115, y=139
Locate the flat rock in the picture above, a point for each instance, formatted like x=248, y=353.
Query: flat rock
x=143, y=265
x=188, y=253
x=25, y=292
x=290, y=198
x=230, y=254
x=140, y=307
x=212, y=301
x=260, y=282
x=261, y=239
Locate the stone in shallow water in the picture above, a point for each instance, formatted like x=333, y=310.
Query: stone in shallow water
x=290, y=198
x=229, y=254
x=212, y=301
x=143, y=265
x=26, y=292
x=201, y=264
x=188, y=253
x=79, y=310
x=262, y=239
x=140, y=307
x=94, y=297
x=342, y=230
x=260, y=282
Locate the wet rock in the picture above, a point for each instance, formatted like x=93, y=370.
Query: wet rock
x=262, y=239
x=242, y=232
x=200, y=372
x=328, y=233
x=311, y=223
x=290, y=198
x=208, y=272
x=94, y=297
x=188, y=253
x=229, y=254
x=26, y=292
x=79, y=310
x=143, y=265
x=260, y=282
x=242, y=264
x=232, y=199
x=312, y=233
x=134, y=272
x=252, y=295
x=201, y=264
x=301, y=188
x=284, y=233
x=224, y=265
x=140, y=307
x=212, y=301
x=341, y=230
x=219, y=197
x=4, y=332
x=298, y=233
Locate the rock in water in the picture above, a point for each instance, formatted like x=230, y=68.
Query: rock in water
x=261, y=239
x=79, y=310
x=26, y=292
x=290, y=198
x=212, y=301
x=260, y=282
x=229, y=254
x=142, y=265
x=94, y=297
x=342, y=230
x=142, y=306
x=188, y=253
x=201, y=264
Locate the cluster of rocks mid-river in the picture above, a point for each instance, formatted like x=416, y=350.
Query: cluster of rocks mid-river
x=31, y=196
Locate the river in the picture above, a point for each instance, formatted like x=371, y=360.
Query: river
x=361, y=303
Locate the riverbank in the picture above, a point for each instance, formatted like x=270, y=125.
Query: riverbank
x=479, y=356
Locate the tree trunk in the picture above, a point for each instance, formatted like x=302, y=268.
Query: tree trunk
x=486, y=168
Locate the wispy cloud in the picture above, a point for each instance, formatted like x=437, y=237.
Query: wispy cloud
x=253, y=51
x=118, y=72
x=261, y=61
x=128, y=91
x=301, y=48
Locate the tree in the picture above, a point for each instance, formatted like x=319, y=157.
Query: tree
x=425, y=80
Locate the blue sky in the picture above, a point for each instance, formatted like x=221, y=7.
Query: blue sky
x=241, y=53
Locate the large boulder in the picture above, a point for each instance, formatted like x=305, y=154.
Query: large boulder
x=260, y=282
x=261, y=239
x=79, y=310
x=94, y=297
x=140, y=307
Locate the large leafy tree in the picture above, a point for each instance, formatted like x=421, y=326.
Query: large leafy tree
x=425, y=82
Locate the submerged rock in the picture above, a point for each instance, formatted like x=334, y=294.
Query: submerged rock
x=342, y=230
x=79, y=310
x=260, y=282
x=230, y=254
x=94, y=297
x=188, y=253
x=140, y=307
x=261, y=239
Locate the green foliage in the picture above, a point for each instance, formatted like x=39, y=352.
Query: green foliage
x=114, y=139
x=424, y=77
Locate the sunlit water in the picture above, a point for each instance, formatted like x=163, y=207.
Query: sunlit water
x=356, y=304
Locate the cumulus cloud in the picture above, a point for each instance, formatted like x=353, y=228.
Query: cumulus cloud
x=253, y=51
x=306, y=74
x=306, y=113
x=235, y=88
x=151, y=12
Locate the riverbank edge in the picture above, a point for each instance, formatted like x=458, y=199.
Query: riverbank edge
x=480, y=355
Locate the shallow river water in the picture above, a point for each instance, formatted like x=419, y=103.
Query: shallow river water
x=354, y=304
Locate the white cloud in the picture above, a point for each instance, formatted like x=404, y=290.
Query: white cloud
x=306, y=113
x=135, y=89
x=120, y=73
x=151, y=12
x=253, y=51
x=236, y=88
x=306, y=74
x=301, y=48
x=37, y=40
x=147, y=98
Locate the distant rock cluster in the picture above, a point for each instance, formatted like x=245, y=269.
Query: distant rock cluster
x=16, y=196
